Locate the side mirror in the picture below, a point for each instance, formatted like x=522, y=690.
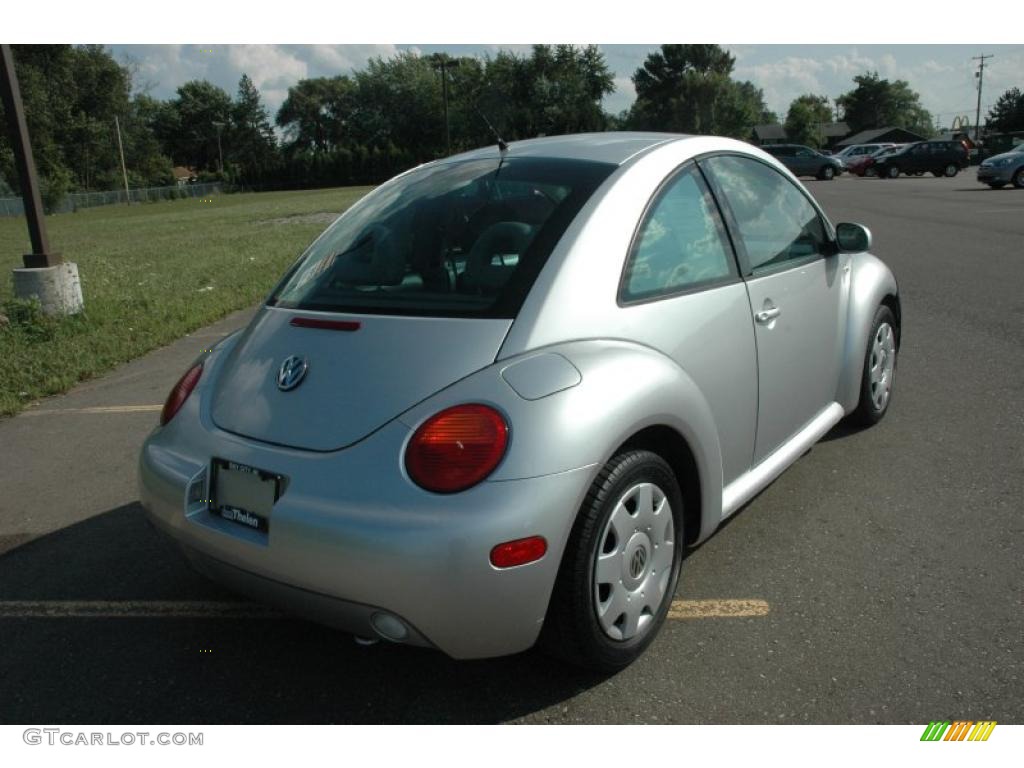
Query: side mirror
x=853, y=238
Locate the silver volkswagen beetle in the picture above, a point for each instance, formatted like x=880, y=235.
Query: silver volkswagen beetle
x=491, y=404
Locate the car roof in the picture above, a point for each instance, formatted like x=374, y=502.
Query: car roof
x=615, y=147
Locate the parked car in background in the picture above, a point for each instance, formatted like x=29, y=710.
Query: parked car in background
x=856, y=152
x=1007, y=168
x=804, y=161
x=498, y=397
x=865, y=165
x=940, y=158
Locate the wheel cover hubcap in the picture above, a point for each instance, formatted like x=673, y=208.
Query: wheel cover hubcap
x=882, y=366
x=634, y=562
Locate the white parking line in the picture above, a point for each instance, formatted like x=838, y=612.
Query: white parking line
x=717, y=609
x=201, y=609
x=97, y=409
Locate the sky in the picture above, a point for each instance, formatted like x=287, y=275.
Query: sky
x=943, y=75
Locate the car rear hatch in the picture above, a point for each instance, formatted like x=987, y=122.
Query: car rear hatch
x=362, y=373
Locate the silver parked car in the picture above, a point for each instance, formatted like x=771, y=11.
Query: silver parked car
x=1006, y=168
x=494, y=401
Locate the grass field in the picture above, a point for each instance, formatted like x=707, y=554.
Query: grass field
x=150, y=274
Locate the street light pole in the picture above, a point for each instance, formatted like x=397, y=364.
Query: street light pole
x=220, y=152
x=41, y=255
x=443, y=63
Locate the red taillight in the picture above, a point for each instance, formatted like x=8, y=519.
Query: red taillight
x=456, y=448
x=180, y=393
x=519, y=552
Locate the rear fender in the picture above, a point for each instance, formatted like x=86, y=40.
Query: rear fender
x=622, y=388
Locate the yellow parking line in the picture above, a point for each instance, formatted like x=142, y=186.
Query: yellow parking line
x=97, y=409
x=711, y=609
x=112, y=609
x=202, y=609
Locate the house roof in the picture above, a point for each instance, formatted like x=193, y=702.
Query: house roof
x=181, y=172
x=835, y=129
x=770, y=131
x=875, y=134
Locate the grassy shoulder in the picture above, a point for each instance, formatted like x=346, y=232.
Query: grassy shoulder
x=150, y=274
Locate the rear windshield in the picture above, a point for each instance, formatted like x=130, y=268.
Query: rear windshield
x=458, y=239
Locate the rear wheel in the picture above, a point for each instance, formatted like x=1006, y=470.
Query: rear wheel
x=620, y=567
x=997, y=185
x=879, y=370
x=951, y=170
x=892, y=171
x=827, y=173
x=870, y=171
x=1018, y=178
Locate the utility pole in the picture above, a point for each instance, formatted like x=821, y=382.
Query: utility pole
x=46, y=277
x=980, y=74
x=41, y=255
x=443, y=63
x=124, y=170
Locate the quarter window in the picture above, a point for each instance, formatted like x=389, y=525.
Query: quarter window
x=776, y=222
x=681, y=243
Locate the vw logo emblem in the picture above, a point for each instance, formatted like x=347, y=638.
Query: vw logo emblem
x=637, y=562
x=292, y=372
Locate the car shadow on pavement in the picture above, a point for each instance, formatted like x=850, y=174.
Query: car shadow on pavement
x=70, y=669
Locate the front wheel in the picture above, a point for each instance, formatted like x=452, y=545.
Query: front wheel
x=879, y=370
x=997, y=185
x=827, y=173
x=1018, y=178
x=892, y=171
x=871, y=172
x=951, y=170
x=621, y=564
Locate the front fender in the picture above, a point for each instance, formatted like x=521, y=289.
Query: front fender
x=871, y=281
x=622, y=389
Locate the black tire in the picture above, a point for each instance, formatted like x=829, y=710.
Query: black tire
x=892, y=172
x=571, y=629
x=867, y=414
x=827, y=173
x=951, y=170
x=871, y=172
x=937, y=174
x=998, y=185
x=1018, y=178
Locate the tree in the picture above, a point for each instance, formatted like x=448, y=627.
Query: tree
x=877, y=103
x=253, y=146
x=1008, y=113
x=689, y=89
x=313, y=114
x=807, y=114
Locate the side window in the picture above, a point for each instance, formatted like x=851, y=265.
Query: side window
x=776, y=222
x=681, y=243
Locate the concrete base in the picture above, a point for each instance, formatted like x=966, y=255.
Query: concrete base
x=57, y=288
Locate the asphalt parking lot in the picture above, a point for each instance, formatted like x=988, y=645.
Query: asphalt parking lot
x=885, y=568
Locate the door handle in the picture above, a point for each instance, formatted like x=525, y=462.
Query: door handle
x=767, y=315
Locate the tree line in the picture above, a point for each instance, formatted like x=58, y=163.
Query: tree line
x=364, y=127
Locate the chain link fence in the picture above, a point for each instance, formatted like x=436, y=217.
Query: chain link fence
x=13, y=206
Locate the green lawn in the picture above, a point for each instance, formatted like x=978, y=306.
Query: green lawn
x=150, y=274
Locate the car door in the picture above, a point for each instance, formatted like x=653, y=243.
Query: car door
x=793, y=276
x=805, y=162
x=681, y=294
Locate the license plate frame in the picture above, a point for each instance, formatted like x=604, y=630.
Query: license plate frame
x=242, y=494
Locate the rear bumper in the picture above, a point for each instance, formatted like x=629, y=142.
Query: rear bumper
x=351, y=537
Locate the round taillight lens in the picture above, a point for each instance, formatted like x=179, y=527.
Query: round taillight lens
x=180, y=392
x=456, y=448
